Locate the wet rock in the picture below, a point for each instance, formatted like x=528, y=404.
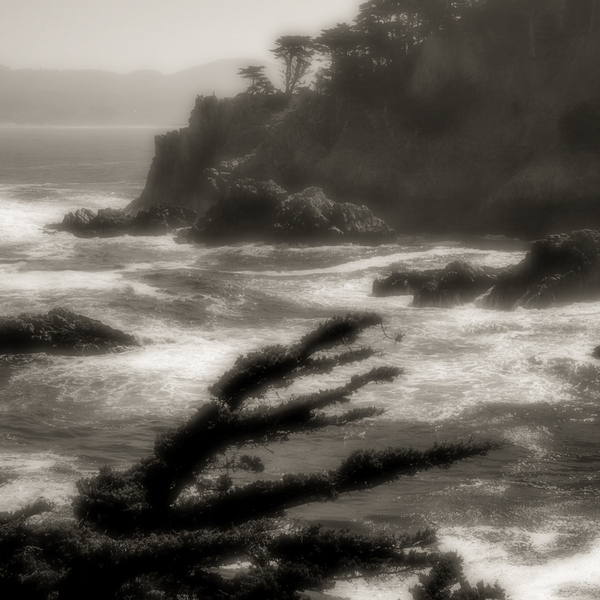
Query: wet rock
x=311, y=215
x=263, y=211
x=60, y=331
x=404, y=283
x=457, y=283
x=559, y=268
x=79, y=220
x=159, y=219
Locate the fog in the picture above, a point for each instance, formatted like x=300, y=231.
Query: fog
x=151, y=34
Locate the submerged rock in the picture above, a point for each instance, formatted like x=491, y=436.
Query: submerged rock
x=263, y=211
x=559, y=268
x=60, y=331
x=159, y=219
x=457, y=283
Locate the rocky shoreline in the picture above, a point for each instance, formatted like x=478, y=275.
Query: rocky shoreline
x=243, y=210
x=457, y=283
x=558, y=269
x=158, y=219
x=263, y=211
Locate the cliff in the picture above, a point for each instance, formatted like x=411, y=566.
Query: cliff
x=485, y=139
x=217, y=129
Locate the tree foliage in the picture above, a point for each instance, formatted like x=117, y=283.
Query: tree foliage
x=446, y=581
x=297, y=52
x=167, y=526
x=374, y=56
x=259, y=83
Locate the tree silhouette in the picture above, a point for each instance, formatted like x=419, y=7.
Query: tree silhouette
x=297, y=52
x=166, y=527
x=259, y=82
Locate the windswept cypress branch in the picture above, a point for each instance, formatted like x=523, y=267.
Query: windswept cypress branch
x=251, y=374
x=336, y=331
x=322, y=365
x=343, y=551
x=214, y=429
x=159, y=545
x=365, y=469
x=362, y=470
x=356, y=414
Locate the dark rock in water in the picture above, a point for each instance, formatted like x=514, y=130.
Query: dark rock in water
x=559, y=268
x=457, y=283
x=247, y=213
x=262, y=211
x=110, y=220
x=596, y=352
x=404, y=283
x=79, y=220
x=60, y=332
x=311, y=215
x=159, y=219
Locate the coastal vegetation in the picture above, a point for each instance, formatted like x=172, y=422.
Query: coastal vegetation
x=462, y=117
x=173, y=524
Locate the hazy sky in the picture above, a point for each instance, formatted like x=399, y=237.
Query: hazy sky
x=166, y=35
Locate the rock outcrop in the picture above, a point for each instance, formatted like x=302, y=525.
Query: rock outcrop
x=457, y=283
x=218, y=129
x=60, y=332
x=404, y=283
x=159, y=219
x=559, y=268
x=263, y=211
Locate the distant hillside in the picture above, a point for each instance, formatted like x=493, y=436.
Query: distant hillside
x=87, y=97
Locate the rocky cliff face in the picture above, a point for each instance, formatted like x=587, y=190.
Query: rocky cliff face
x=483, y=143
x=218, y=129
x=175, y=176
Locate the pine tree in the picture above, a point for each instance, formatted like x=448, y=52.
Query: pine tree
x=165, y=527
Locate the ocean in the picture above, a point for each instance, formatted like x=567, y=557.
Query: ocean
x=527, y=515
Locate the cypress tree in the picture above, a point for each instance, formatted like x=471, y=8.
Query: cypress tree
x=167, y=526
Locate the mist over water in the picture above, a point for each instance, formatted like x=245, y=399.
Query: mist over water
x=526, y=515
